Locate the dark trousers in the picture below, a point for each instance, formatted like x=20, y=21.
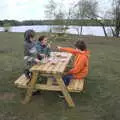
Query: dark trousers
x=27, y=73
x=67, y=79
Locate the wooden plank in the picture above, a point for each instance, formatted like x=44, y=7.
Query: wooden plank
x=44, y=87
x=22, y=86
x=37, y=67
x=47, y=65
x=62, y=69
x=65, y=91
x=22, y=80
x=63, y=64
x=50, y=68
x=40, y=67
x=76, y=85
x=47, y=87
x=56, y=69
x=17, y=81
x=30, y=87
x=49, y=81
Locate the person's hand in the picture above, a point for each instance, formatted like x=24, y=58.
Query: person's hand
x=37, y=60
x=42, y=55
x=58, y=47
x=48, y=45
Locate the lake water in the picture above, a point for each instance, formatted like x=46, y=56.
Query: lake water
x=87, y=30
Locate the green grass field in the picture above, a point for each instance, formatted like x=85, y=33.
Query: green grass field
x=101, y=101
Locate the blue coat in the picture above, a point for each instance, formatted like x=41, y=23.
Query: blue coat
x=42, y=49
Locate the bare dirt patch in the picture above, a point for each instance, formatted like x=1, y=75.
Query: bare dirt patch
x=7, y=96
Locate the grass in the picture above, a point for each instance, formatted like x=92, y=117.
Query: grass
x=101, y=101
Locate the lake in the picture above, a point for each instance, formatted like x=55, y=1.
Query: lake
x=87, y=30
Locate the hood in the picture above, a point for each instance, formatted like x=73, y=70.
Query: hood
x=86, y=53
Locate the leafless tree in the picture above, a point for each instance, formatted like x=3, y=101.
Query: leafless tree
x=114, y=15
x=50, y=10
x=88, y=9
x=116, y=11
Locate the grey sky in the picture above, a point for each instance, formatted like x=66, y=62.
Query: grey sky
x=34, y=9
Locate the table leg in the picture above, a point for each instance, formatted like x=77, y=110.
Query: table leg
x=65, y=91
x=30, y=87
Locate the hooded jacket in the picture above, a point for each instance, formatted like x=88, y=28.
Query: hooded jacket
x=43, y=49
x=80, y=65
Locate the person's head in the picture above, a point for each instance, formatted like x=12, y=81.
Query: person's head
x=43, y=40
x=81, y=45
x=29, y=35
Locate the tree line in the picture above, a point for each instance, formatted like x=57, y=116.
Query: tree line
x=83, y=22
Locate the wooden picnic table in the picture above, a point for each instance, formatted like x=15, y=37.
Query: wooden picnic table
x=55, y=67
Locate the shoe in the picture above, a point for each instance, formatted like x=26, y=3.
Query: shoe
x=28, y=74
x=36, y=93
x=60, y=95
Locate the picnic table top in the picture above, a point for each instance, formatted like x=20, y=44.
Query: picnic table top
x=55, y=64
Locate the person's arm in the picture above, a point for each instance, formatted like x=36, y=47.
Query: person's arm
x=79, y=66
x=40, y=54
x=38, y=48
x=69, y=50
x=30, y=55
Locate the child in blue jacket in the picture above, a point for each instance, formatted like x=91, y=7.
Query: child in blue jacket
x=42, y=47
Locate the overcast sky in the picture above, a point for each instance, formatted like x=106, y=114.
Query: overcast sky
x=34, y=9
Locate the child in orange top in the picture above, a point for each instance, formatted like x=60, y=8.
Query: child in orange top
x=80, y=66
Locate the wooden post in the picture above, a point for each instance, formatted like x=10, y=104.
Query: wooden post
x=30, y=88
x=65, y=91
x=49, y=81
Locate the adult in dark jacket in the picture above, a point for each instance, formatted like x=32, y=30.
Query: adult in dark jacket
x=30, y=52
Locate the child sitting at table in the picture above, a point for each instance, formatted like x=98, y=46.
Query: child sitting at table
x=80, y=66
x=42, y=47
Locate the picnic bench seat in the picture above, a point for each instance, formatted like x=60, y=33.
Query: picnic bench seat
x=21, y=82
x=74, y=85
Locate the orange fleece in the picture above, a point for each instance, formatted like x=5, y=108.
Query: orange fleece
x=80, y=66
